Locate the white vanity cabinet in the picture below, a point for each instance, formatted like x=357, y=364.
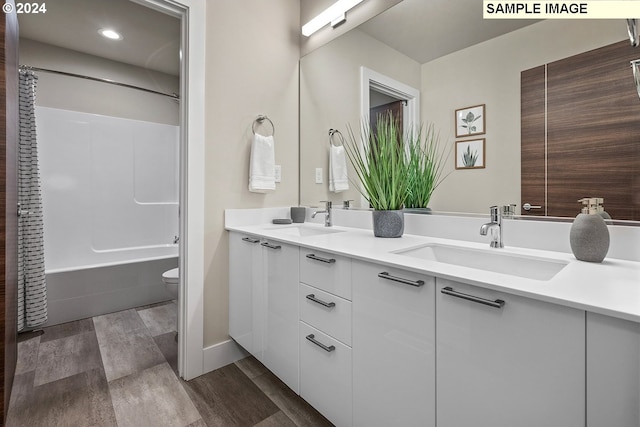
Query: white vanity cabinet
x=393, y=347
x=280, y=272
x=613, y=372
x=325, y=334
x=246, y=292
x=263, y=302
x=507, y=361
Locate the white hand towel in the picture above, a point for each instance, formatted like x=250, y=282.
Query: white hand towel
x=262, y=164
x=338, y=178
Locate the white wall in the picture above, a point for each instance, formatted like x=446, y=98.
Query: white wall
x=72, y=93
x=489, y=73
x=330, y=99
x=252, y=53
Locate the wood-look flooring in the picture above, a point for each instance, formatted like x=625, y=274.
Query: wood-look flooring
x=120, y=370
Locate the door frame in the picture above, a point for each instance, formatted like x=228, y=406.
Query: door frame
x=192, y=14
x=372, y=80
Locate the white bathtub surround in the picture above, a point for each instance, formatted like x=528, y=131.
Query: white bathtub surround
x=609, y=288
x=110, y=195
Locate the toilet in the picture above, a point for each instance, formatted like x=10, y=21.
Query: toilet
x=171, y=281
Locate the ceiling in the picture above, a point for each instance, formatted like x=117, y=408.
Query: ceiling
x=421, y=29
x=150, y=39
x=428, y=29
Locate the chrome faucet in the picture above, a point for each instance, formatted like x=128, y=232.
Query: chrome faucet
x=495, y=226
x=327, y=211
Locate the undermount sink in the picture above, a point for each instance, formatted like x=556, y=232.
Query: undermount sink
x=303, y=231
x=493, y=260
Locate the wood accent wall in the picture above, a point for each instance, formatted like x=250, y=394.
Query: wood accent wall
x=593, y=132
x=8, y=201
x=532, y=112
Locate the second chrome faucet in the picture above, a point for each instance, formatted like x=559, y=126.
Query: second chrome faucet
x=495, y=226
x=327, y=212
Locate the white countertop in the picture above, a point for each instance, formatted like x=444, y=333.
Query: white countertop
x=611, y=288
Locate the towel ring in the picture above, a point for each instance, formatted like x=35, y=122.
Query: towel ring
x=259, y=120
x=334, y=132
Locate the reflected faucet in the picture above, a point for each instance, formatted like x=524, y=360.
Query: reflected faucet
x=327, y=211
x=495, y=226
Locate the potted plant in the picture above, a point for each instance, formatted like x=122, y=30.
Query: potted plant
x=378, y=158
x=426, y=159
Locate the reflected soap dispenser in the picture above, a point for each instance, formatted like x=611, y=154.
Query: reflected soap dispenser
x=589, y=235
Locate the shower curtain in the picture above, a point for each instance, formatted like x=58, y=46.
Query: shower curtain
x=32, y=288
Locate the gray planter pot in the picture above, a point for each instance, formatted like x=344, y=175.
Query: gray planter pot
x=388, y=223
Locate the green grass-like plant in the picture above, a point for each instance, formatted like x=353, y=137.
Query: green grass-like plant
x=426, y=159
x=378, y=159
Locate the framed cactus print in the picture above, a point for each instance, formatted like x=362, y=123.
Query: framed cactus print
x=470, y=154
x=470, y=121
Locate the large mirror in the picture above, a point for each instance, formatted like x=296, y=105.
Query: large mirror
x=457, y=61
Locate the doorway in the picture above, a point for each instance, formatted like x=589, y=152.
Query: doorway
x=191, y=14
x=382, y=94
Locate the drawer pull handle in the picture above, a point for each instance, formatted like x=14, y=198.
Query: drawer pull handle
x=495, y=303
x=328, y=349
x=250, y=240
x=270, y=246
x=318, y=258
x=416, y=283
x=313, y=298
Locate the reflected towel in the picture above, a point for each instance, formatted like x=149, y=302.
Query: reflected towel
x=338, y=178
x=262, y=164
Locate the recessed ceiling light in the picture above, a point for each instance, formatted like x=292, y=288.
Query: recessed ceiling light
x=110, y=34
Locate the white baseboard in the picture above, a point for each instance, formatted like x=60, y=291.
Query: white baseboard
x=218, y=355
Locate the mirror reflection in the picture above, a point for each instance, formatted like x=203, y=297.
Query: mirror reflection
x=465, y=63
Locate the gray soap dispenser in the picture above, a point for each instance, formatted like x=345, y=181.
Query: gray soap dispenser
x=589, y=235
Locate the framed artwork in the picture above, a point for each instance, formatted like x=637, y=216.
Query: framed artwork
x=470, y=121
x=470, y=154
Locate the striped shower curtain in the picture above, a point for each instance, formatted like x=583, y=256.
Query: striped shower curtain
x=32, y=287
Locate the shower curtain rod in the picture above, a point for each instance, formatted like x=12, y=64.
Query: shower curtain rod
x=96, y=79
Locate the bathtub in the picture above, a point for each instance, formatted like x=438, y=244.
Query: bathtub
x=110, y=203
x=91, y=290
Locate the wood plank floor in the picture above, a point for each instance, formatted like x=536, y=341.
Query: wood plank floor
x=120, y=370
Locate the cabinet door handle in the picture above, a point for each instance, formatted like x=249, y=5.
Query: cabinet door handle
x=328, y=349
x=270, y=246
x=318, y=258
x=416, y=283
x=491, y=303
x=250, y=240
x=313, y=298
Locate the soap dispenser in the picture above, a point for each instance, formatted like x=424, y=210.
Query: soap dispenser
x=589, y=235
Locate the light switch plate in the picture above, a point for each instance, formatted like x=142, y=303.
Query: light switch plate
x=318, y=175
x=278, y=173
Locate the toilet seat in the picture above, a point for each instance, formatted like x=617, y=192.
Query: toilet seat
x=171, y=276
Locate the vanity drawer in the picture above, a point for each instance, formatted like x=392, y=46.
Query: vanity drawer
x=325, y=375
x=326, y=271
x=327, y=312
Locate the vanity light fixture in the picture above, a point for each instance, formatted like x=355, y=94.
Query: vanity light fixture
x=110, y=34
x=334, y=13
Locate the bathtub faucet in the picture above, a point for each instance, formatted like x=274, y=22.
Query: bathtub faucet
x=176, y=239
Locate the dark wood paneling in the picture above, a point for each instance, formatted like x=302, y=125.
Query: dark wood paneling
x=8, y=201
x=532, y=136
x=593, y=123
